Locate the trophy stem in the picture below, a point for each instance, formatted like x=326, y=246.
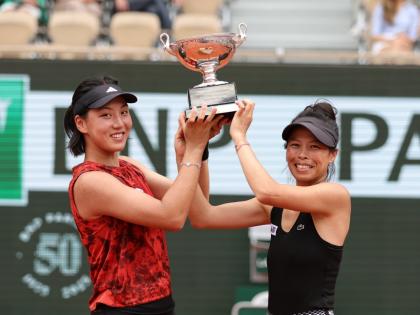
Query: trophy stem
x=208, y=69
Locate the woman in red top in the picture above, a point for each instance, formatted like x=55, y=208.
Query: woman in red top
x=121, y=208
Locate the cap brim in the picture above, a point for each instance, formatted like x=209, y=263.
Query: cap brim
x=321, y=135
x=129, y=98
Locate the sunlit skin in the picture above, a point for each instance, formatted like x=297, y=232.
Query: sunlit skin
x=105, y=130
x=307, y=158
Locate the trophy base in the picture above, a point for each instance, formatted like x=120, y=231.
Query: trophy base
x=222, y=96
x=227, y=110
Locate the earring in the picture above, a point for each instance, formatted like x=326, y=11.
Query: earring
x=330, y=170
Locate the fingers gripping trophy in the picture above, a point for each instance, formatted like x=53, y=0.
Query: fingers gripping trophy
x=207, y=54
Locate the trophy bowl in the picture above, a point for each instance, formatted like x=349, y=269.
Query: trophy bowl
x=207, y=54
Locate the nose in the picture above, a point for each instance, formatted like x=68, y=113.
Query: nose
x=302, y=154
x=117, y=121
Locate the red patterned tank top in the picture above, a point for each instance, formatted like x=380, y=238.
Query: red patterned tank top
x=129, y=263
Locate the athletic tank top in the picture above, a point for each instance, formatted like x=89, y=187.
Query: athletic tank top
x=302, y=267
x=128, y=263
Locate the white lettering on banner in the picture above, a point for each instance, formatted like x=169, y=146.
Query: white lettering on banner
x=368, y=173
x=51, y=245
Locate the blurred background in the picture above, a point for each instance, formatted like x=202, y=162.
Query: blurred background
x=363, y=56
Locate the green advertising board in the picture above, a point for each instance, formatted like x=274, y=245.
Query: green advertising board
x=12, y=99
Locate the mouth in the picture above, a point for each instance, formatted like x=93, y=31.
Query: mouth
x=303, y=167
x=118, y=135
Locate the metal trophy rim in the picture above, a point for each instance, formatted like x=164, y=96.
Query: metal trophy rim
x=208, y=67
x=214, y=57
x=165, y=38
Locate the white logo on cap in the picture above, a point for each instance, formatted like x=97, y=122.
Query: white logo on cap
x=111, y=89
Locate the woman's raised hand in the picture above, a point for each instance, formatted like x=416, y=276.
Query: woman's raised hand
x=197, y=128
x=241, y=120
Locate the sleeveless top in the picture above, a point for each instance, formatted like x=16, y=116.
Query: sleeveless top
x=129, y=263
x=302, y=267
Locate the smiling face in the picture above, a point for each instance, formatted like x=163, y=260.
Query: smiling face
x=105, y=129
x=307, y=158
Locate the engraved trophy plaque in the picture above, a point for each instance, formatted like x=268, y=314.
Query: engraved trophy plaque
x=207, y=54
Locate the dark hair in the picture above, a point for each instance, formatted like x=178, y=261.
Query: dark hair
x=77, y=142
x=323, y=107
x=331, y=112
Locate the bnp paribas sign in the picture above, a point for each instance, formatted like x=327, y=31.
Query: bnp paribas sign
x=13, y=91
x=379, y=141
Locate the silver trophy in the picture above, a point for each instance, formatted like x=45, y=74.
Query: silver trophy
x=207, y=54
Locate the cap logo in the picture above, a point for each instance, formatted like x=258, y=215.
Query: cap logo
x=111, y=89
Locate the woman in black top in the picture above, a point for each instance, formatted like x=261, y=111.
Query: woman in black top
x=309, y=220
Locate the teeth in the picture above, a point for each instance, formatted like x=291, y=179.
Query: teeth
x=303, y=166
x=117, y=135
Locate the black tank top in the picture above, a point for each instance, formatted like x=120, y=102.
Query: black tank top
x=302, y=267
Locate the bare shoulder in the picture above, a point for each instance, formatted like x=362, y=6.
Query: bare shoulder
x=88, y=182
x=132, y=161
x=89, y=195
x=333, y=222
x=339, y=196
x=331, y=196
x=158, y=183
x=337, y=188
x=146, y=171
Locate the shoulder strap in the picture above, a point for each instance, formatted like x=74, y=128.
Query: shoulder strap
x=276, y=214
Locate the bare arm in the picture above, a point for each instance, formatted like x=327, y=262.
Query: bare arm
x=179, y=142
x=111, y=197
x=204, y=180
x=323, y=197
x=230, y=215
x=320, y=198
x=160, y=184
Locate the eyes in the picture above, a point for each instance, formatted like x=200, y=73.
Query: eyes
x=108, y=114
x=296, y=145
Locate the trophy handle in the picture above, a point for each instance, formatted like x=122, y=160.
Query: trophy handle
x=242, y=27
x=164, y=39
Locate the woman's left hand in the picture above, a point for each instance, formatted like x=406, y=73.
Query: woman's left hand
x=241, y=121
